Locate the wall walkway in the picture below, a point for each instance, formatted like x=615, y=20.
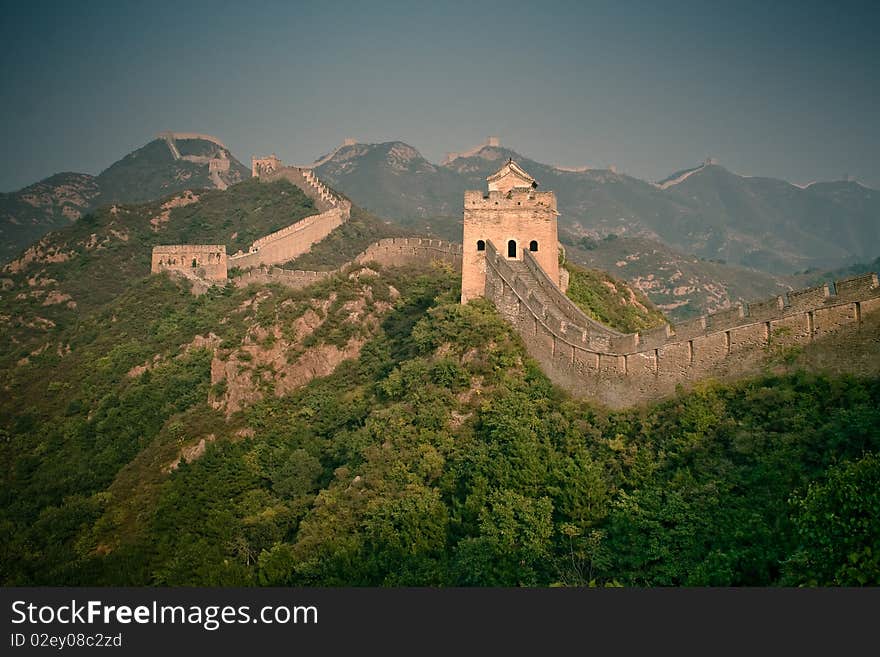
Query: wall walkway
x=591, y=360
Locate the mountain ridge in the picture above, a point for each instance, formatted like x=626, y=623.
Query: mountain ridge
x=758, y=222
x=371, y=430
x=147, y=173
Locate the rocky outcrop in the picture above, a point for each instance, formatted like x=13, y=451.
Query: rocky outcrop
x=284, y=355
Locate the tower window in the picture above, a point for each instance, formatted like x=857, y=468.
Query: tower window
x=511, y=248
x=481, y=245
x=195, y=263
x=533, y=245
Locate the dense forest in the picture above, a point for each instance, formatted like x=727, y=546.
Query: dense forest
x=440, y=455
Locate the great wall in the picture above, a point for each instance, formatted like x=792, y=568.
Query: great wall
x=389, y=252
x=578, y=353
x=216, y=165
x=273, y=249
x=591, y=360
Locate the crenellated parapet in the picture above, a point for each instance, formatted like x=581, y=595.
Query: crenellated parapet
x=291, y=241
x=170, y=135
x=271, y=168
x=265, y=166
x=398, y=251
x=617, y=369
x=294, y=278
x=207, y=261
x=388, y=252
x=516, y=199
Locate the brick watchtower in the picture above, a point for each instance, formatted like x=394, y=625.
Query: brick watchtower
x=513, y=216
x=263, y=166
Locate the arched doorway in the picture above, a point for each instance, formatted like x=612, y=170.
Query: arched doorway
x=511, y=248
x=533, y=246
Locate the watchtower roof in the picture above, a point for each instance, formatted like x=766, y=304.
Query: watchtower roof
x=510, y=176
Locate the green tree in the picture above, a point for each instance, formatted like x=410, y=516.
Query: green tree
x=838, y=527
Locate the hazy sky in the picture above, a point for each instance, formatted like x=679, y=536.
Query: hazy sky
x=788, y=90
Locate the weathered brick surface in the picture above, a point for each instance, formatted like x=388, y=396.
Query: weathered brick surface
x=623, y=370
x=205, y=260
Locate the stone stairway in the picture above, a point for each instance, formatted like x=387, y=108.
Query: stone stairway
x=306, y=180
x=320, y=188
x=537, y=289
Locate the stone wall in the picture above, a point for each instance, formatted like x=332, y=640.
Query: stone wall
x=567, y=308
x=170, y=137
x=206, y=261
x=264, y=166
x=623, y=370
x=295, y=278
x=398, y=251
x=289, y=242
x=390, y=252
x=278, y=247
x=191, y=135
x=323, y=197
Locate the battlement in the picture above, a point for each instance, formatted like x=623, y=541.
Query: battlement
x=807, y=300
x=493, y=142
x=856, y=286
x=623, y=369
x=304, y=178
x=567, y=309
x=215, y=249
x=388, y=252
x=399, y=251
x=293, y=228
x=263, y=166
x=509, y=255
x=294, y=278
x=505, y=201
x=205, y=260
x=273, y=249
x=168, y=134
x=420, y=242
x=291, y=241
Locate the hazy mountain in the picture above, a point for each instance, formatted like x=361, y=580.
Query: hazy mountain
x=370, y=430
x=706, y=210
x=148, y=173
x=26, y=215
x=394, y=180
x=152, y=171
x=774, y=225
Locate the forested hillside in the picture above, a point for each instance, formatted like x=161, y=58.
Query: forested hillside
x=437, y=454
x=84, y=266
x=611, y=301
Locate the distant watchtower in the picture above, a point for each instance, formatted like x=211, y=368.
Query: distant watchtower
x=263, y=166
x=514, y=217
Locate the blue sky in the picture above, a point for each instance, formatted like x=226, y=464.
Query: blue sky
x=781, y=89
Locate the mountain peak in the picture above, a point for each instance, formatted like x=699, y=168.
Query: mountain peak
x=684, y=174
x=397, y=156
x=491, y=142
x=171, y=162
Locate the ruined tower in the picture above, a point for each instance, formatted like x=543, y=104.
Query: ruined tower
x=513, y=216
x=262, y=166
